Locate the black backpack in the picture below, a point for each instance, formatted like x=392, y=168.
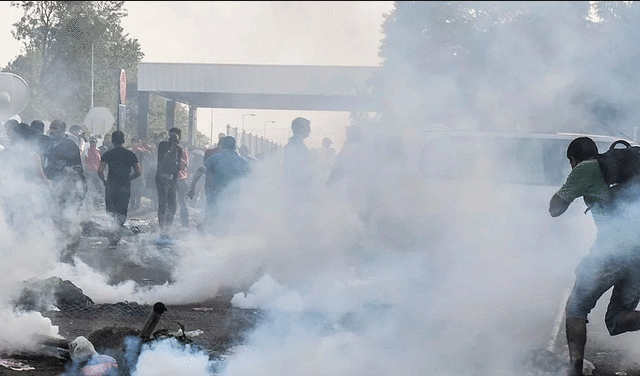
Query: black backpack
x=621, y=169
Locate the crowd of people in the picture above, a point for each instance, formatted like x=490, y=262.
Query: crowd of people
x=116, y=176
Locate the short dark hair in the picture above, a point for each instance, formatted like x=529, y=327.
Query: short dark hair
x=59, y=124
x=117, y=137
x=37, y=125
x=582, y=148
x=300, y=123
x=227, y=142
x=176, y=131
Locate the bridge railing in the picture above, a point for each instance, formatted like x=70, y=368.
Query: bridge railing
x=258, y=146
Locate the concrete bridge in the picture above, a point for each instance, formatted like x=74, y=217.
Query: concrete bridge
x=265, y=87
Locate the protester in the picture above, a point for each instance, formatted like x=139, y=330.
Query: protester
x=118, y=183
x=92, y=163
x=182, y=188
x=246, y=154
x=44, y=142
x=613, y=260
x=168, y=167
x=78, y=137
x=298, y=178
x=208, y=182
x=138, y=185
x=106, y=144
x=63, y=166
x=24, y=188
x=224, y=167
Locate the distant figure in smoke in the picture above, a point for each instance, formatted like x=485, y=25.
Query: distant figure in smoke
x=63, y=166
x=224, y=167
x=243, y=150
x=24, y=188
x=138, y=185
x=298, y=177
x=208, y=182
x=613, y=260
x=92, y=163
x=327, y=150
x=123, y=167
x=169, y=161
x=106, y=144
x=44, y=141
x=183, y=188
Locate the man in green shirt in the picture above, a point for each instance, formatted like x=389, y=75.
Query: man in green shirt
x=613, y=260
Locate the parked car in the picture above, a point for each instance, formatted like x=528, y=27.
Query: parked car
x=507, y=157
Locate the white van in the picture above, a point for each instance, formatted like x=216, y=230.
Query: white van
x=507, y=157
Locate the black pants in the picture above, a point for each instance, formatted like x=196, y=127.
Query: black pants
x=116, y=200
x=167, y=203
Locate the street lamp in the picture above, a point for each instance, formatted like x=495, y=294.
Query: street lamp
x=243, y=116
x=265, y=127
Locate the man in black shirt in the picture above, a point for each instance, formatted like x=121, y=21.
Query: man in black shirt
x=43, y=141
x=63, y=166
x=118, y=182
x=169, y=161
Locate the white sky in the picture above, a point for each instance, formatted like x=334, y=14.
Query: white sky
x=247, y=32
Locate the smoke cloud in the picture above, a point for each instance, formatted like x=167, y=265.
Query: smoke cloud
x=385, y=271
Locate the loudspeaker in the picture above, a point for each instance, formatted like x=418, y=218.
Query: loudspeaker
x=14, y=95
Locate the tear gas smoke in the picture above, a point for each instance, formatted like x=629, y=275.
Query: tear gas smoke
x=385, y=271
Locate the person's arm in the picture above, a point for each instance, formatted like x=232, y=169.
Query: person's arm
x=137, y=171
x=101, y=171
x=192, y=189
x=557, y=206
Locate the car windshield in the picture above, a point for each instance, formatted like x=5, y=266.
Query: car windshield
x=517, y=160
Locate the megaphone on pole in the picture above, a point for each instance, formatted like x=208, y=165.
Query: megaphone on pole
x=14, y=95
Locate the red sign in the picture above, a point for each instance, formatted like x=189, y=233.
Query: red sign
x=123, y=86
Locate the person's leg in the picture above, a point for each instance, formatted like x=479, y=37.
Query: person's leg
x=162, y=191
x=621, y=316
x=172, y=203
x=576, y=339
x=593, y=279
x=182, y=201
x=112, y=209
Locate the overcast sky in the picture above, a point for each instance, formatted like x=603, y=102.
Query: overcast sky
x=247, y=32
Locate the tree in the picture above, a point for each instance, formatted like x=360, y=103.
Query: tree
x=557, y=66
x=58, y=38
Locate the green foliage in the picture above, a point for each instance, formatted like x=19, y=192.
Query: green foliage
x=157, y=122
x=58, y=37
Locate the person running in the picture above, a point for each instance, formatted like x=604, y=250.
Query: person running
x=169, y=161
x=613, y=260
x=224, y=167
x=121, y=162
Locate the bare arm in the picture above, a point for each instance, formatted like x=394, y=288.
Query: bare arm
x=557, y=206
x=192, y=189
x=101, y=171
x=137, y=171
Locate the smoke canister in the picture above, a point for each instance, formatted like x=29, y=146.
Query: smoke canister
x=100, y=365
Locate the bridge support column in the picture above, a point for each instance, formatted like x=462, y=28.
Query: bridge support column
x=171, y=114
x=143, y=114
x=193, y=121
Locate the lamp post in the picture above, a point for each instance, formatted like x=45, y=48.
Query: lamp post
x=265, y=127
x=243, y=116
x=243, y=134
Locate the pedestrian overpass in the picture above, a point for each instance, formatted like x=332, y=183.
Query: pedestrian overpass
x=261, y=87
